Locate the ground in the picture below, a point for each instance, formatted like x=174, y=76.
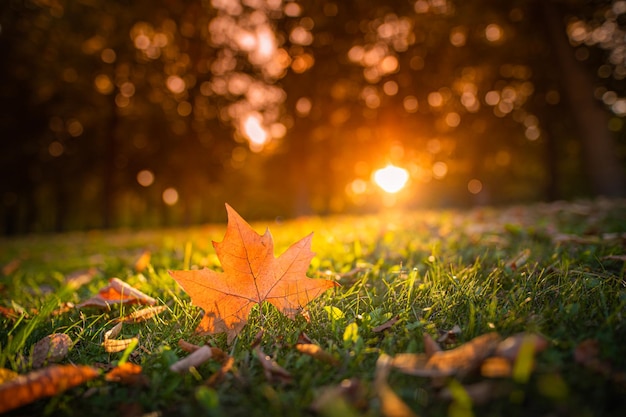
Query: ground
x=552, y=270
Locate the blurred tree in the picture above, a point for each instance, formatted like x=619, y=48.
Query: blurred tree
x=145, y=113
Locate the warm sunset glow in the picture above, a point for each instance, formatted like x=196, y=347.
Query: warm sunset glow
x=391, y=178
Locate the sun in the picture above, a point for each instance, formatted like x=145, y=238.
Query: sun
x=391, y=178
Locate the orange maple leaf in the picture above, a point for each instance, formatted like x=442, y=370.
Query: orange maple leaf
x=251, y=275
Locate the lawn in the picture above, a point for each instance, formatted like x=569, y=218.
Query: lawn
x=555, y=270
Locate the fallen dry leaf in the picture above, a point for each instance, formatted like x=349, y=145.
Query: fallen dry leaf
x=50, y=349
x=390, y=404
x=143, y=314
x=458, y=361
x=11, y=266
x=509, y=348
x=430, y=346
x=272, y=370
x=9, y=313
x=45, y=382
x=187, y=347
x=386, y=325
x=449, y=337
x=6, y=375
x=519, y=260
x=143, y=261
x=479, y=392
x=227, y=365
x=258, y=337
x=317, y=352
x=496, y=367
x=77, y=279
x=350, y=392
x=251, y=275
x=64, y=308
x=128, y=374
x=117, y=292
x=587, y=353
x=194, y=359
x=112, y=345
x=619, y=258
x=304, y=338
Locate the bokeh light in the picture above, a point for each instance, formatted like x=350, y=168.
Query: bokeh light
x=145, y=178
x=391, y=178
x=255, y=132
x=170, y=196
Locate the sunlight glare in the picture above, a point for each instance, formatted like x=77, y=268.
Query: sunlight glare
x=391, y=178
x=254, y=131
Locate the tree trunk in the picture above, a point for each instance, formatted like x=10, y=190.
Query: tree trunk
x=604, y=170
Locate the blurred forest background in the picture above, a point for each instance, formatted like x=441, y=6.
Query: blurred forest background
x=145, y=113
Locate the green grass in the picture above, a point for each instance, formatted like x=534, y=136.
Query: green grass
x=433, y=269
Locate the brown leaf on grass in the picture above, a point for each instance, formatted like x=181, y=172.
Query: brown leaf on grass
x=45, y=382
x=316, y=352
x=386, y=325
x=251, y=276
x=272, y=370
x=496, y=367
x=458, y=361
x=77, y=279
x=519, y=260
x=10, y=267
x=564, y=238
x=113, y=345
x=304, y=338
x=117, y=292
x=449, y=337
x=143, y=314
x=509, y=348
x=349, y=393
x=187, y=347
x=619, y=258
x=430, y=346
x=216, y=378
x=390, y=404
x=479, y=392
x=194, y=359
x=258, y=337
x=50, y=349
x=9, y=313
x=143, y=261
x=128, y=374
x=64, y=308
x=587, y=353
